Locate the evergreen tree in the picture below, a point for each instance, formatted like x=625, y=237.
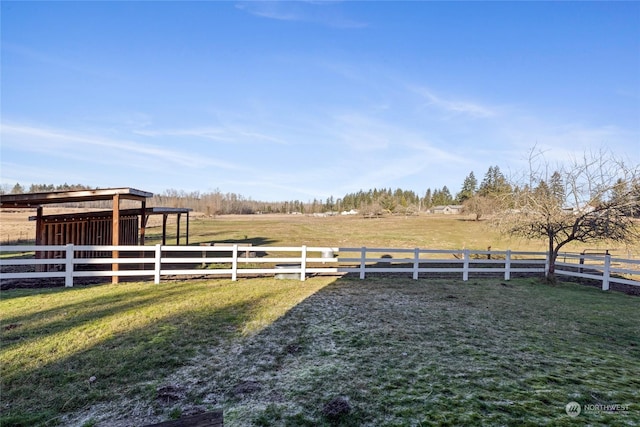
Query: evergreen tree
x=446, y=195
x=442, y=197
x=435, y=198
x=542, y=191
x=427, y=201
x=469, y=188
x=17, y=189
x=635, y=197
x=556, y=187
x=494, y=183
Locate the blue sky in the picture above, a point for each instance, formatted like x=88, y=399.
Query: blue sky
x=302, y=100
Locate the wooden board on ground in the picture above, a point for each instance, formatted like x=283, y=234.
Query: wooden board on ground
x=207, y=419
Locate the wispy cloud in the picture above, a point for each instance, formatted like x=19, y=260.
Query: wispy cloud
x=376, y=151
x=91, y=148
x=272, y=10
x=26, y=173
x=460, y=107
x=565, y=140
x=72, y=65
x=324, y=13
x=361, y=132
x=220, y=134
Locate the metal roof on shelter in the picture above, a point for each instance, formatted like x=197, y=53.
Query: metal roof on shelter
x=32, y=200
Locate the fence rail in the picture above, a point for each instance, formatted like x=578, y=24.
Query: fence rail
x=235, y=260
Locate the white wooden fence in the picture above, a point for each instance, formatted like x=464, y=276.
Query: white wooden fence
x=235, y=260
x=605, y=268
x=74, y=261
x=416, y=261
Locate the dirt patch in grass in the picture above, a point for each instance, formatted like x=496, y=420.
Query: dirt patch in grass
x=383, y=352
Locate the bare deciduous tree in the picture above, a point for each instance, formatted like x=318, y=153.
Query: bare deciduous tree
x=586, y=200
x=481, y=205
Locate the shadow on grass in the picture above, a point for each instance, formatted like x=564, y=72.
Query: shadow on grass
x=254, y=241
x=94, y=349
x=437, y=352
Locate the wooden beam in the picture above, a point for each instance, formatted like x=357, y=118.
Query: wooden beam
x=109, y=213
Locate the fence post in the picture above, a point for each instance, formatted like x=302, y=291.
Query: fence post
x=157, y=264
x=234, y=263
x=507, y=265
x=303, y=263
x=363, y=257
x=606, y=273
x=68, y=266
x=465, y=270
x=416, y=263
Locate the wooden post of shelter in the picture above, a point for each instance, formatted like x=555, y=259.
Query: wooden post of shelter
x=178, y=230
x=143, y=221
x=115, y=234
x=39, y=237
x=164, y=229
x=187, y=236
x=143, y=228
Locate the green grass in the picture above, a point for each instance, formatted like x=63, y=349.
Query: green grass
x=274, y=352
x=126, y=336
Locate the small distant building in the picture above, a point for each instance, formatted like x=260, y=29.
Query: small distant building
x=585, y=209
x=447, y=210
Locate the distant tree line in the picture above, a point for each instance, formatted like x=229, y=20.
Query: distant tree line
x=42, y=188
x=478, y=198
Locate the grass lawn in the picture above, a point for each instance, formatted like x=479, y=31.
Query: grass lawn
x=388, y=352
x=129, y=337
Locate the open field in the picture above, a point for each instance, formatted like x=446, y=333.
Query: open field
x=276, y=352
x=424, y=231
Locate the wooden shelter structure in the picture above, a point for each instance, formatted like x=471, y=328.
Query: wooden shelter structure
x=113, y=227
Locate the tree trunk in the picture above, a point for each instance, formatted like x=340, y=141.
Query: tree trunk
x=553, y=255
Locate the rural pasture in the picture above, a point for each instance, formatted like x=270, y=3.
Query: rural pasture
x=327, y=351
x=424, y=231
